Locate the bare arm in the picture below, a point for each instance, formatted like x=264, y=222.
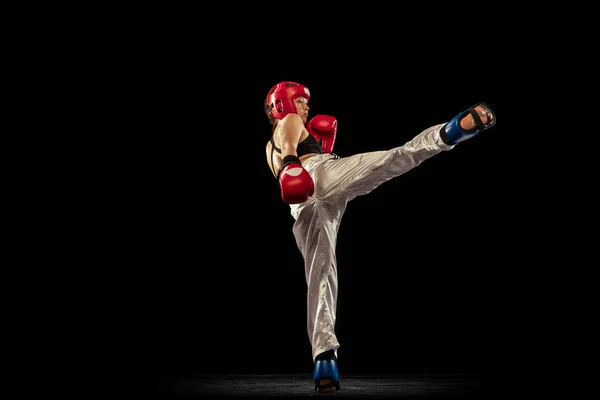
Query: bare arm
x=290, y=131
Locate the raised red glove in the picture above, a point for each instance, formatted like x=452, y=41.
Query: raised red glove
x=323, y=128
x=295, y=182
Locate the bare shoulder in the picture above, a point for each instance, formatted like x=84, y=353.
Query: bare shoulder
x=291, y=119
x=291, y=126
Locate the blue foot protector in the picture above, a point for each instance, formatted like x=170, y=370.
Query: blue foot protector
x=452, y=133
x=326, y=368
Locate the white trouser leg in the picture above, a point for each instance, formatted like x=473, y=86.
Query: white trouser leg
x=316, y=235
x=344, y=179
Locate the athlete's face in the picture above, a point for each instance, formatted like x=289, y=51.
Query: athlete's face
x=302, y=108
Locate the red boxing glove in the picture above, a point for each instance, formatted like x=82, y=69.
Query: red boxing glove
x=323, y=128
x=295, y=182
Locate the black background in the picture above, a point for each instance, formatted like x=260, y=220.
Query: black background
x=196, y=245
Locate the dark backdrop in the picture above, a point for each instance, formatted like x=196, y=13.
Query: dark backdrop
x=203, y=269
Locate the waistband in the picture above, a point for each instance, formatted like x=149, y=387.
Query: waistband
x=315, y=160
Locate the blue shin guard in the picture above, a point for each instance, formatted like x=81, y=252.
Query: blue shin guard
x=326, y=368
x=452, y=133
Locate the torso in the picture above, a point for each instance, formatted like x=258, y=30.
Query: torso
x=277, y=157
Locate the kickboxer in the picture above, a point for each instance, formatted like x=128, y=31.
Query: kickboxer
x=317, y=184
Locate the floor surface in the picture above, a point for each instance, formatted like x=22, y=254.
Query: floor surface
x=301, y=385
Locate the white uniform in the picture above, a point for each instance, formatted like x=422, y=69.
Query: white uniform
x=317, y=220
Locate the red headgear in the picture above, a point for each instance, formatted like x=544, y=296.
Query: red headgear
x=282, y=96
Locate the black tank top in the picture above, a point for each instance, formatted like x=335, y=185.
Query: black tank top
x=310, y=145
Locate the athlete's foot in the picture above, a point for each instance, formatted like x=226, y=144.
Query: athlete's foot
x=468, y=122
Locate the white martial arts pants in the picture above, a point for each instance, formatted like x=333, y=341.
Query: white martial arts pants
x=337, y=181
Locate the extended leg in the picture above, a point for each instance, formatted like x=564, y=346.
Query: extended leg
x=353, y=176
x=344, y=179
